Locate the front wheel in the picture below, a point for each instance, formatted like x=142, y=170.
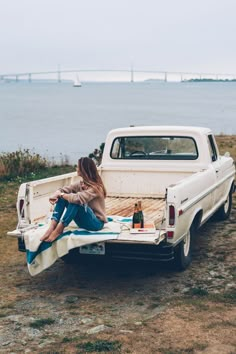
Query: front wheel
x=224, y=211
x=183, y=251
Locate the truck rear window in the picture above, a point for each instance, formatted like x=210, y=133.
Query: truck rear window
x=154, y=148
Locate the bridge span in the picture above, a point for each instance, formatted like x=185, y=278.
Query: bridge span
x=132, y=75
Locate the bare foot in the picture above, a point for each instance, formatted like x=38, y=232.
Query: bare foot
x=54, y=235
x=52, y=227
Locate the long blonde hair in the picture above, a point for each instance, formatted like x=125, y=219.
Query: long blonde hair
x=89, y=173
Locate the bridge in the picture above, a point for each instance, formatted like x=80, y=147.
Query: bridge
x=131, y=73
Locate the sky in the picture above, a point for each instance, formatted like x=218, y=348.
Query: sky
x=161, y=35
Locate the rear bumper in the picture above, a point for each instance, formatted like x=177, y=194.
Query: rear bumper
x=126, y=251
x=161, y=252
x=146, y=252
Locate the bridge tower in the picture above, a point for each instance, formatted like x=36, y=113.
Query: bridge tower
x=132, y=74
x=59, y=74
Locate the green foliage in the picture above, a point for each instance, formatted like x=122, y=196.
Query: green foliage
x=68, y=340
x=100, y=346
x=228, y=297
x=26, y=164
x=96, y=155
x=198, y=291
x=20, y=163
x=41, y=322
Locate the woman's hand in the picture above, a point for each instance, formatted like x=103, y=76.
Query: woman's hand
x=53, y=200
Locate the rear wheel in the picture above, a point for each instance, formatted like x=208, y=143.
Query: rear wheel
x=224, y=211
x=183, y=251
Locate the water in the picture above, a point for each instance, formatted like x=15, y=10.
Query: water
x=57, y=119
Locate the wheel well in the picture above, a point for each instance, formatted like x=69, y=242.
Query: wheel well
x=233, y=187
x=197, y=219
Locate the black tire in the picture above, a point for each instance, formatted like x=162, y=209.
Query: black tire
x=183, y=251
x=224, y=211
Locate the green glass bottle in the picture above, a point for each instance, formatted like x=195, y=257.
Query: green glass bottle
x=136, y=218
x=140, y=210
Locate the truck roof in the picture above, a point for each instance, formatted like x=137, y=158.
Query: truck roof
x=163, y=129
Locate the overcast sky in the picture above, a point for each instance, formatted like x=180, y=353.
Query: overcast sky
x=172, y=35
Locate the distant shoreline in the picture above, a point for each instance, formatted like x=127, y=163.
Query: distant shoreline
x=209, y=80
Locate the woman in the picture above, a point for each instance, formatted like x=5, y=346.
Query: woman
x=84, y=202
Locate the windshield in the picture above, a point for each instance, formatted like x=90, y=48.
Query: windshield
x=154, y=148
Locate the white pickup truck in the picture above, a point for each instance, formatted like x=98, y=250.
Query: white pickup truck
x=176, y=172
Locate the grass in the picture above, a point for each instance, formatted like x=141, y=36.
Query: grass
x=69, y=340
x=20, y=163
x=190, y=350
x=153, y=306
x=200, y=299
x=100, y=346
x=42, y=322
x=5, y=314
x=26, y=164
x=198, y=291
x=221, y=324
x=228, y=297
x=226, y=143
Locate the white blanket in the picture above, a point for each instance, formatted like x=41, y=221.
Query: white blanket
x=41, y=255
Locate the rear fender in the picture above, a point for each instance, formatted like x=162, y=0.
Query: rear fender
x=195, y=220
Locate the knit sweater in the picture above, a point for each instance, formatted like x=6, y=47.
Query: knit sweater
x=79, y=194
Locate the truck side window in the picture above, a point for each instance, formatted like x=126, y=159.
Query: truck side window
x=212, y=148
x=116, y=151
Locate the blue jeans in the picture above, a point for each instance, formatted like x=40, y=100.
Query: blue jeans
x=83, y=216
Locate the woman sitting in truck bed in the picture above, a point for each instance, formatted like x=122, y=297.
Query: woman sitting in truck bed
x=84, y=202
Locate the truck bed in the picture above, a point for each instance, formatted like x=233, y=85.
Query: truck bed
x=153, y=208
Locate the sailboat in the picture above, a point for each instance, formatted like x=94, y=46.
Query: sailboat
x=77, y=83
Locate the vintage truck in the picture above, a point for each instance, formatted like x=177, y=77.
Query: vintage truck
x=177, y=173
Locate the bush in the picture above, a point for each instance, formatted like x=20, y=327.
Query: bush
x=100, y=346
x=96, y=155
x=20, y=163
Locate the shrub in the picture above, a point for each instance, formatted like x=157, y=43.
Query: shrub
x=100, y=346
x=42, y=322
x=20, y=163
x=96, y=155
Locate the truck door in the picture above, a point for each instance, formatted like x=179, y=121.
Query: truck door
x=218, y=168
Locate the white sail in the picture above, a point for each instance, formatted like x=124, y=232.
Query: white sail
x=77, y=83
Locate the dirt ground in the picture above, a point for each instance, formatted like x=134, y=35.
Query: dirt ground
x=119, y=307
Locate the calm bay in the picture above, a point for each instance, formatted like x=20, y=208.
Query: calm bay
x=57, y=119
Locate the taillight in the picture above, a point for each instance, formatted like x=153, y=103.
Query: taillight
x=171, y=215
x=170, y=234
x=21, y=207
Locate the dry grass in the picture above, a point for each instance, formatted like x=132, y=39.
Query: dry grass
x=227, y=143
x=20, y=163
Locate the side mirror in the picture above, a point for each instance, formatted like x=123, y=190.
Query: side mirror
x=227, y=154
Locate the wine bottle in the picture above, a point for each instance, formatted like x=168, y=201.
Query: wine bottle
x=141, y=213
x=136, y=217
